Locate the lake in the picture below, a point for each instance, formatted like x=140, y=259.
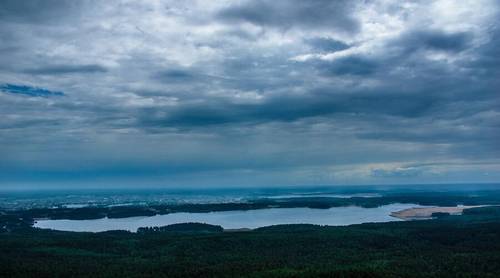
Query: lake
x=339, y=216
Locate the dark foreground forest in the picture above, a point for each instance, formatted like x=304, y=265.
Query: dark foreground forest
x=451, y=246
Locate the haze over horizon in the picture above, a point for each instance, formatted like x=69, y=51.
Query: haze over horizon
x=248, y=93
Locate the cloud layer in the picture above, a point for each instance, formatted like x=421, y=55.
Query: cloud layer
x=249, y=92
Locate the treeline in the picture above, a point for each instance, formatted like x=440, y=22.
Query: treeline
x=421, y=198
x=183, y=227
x=14, y=223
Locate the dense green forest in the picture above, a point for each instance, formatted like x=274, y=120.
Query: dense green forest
x=450, y=246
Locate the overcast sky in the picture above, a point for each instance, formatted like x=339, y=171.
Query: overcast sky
x=248, y=93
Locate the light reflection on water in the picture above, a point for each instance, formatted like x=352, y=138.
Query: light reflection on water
x=236, y=219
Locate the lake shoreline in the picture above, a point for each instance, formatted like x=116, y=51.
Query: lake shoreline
x=238, y=220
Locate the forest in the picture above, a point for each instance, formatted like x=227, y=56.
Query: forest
x=448, y=246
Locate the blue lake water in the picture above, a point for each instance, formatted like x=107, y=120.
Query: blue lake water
x=237, y=219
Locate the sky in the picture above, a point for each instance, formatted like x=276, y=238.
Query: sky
x=248, y=93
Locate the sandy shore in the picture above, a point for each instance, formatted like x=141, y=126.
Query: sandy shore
x=426, y=213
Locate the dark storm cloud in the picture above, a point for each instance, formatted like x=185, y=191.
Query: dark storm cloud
x=402, y=51
x=28, y=91
x=445, y=41
x=434, y=40
x=487, y=62
x=38, y=11
x=303, y=14
x=175, y=76
x=327, y=44
x=420, y=89
x=290, y=108
x=351, y=65
x=66, y=69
